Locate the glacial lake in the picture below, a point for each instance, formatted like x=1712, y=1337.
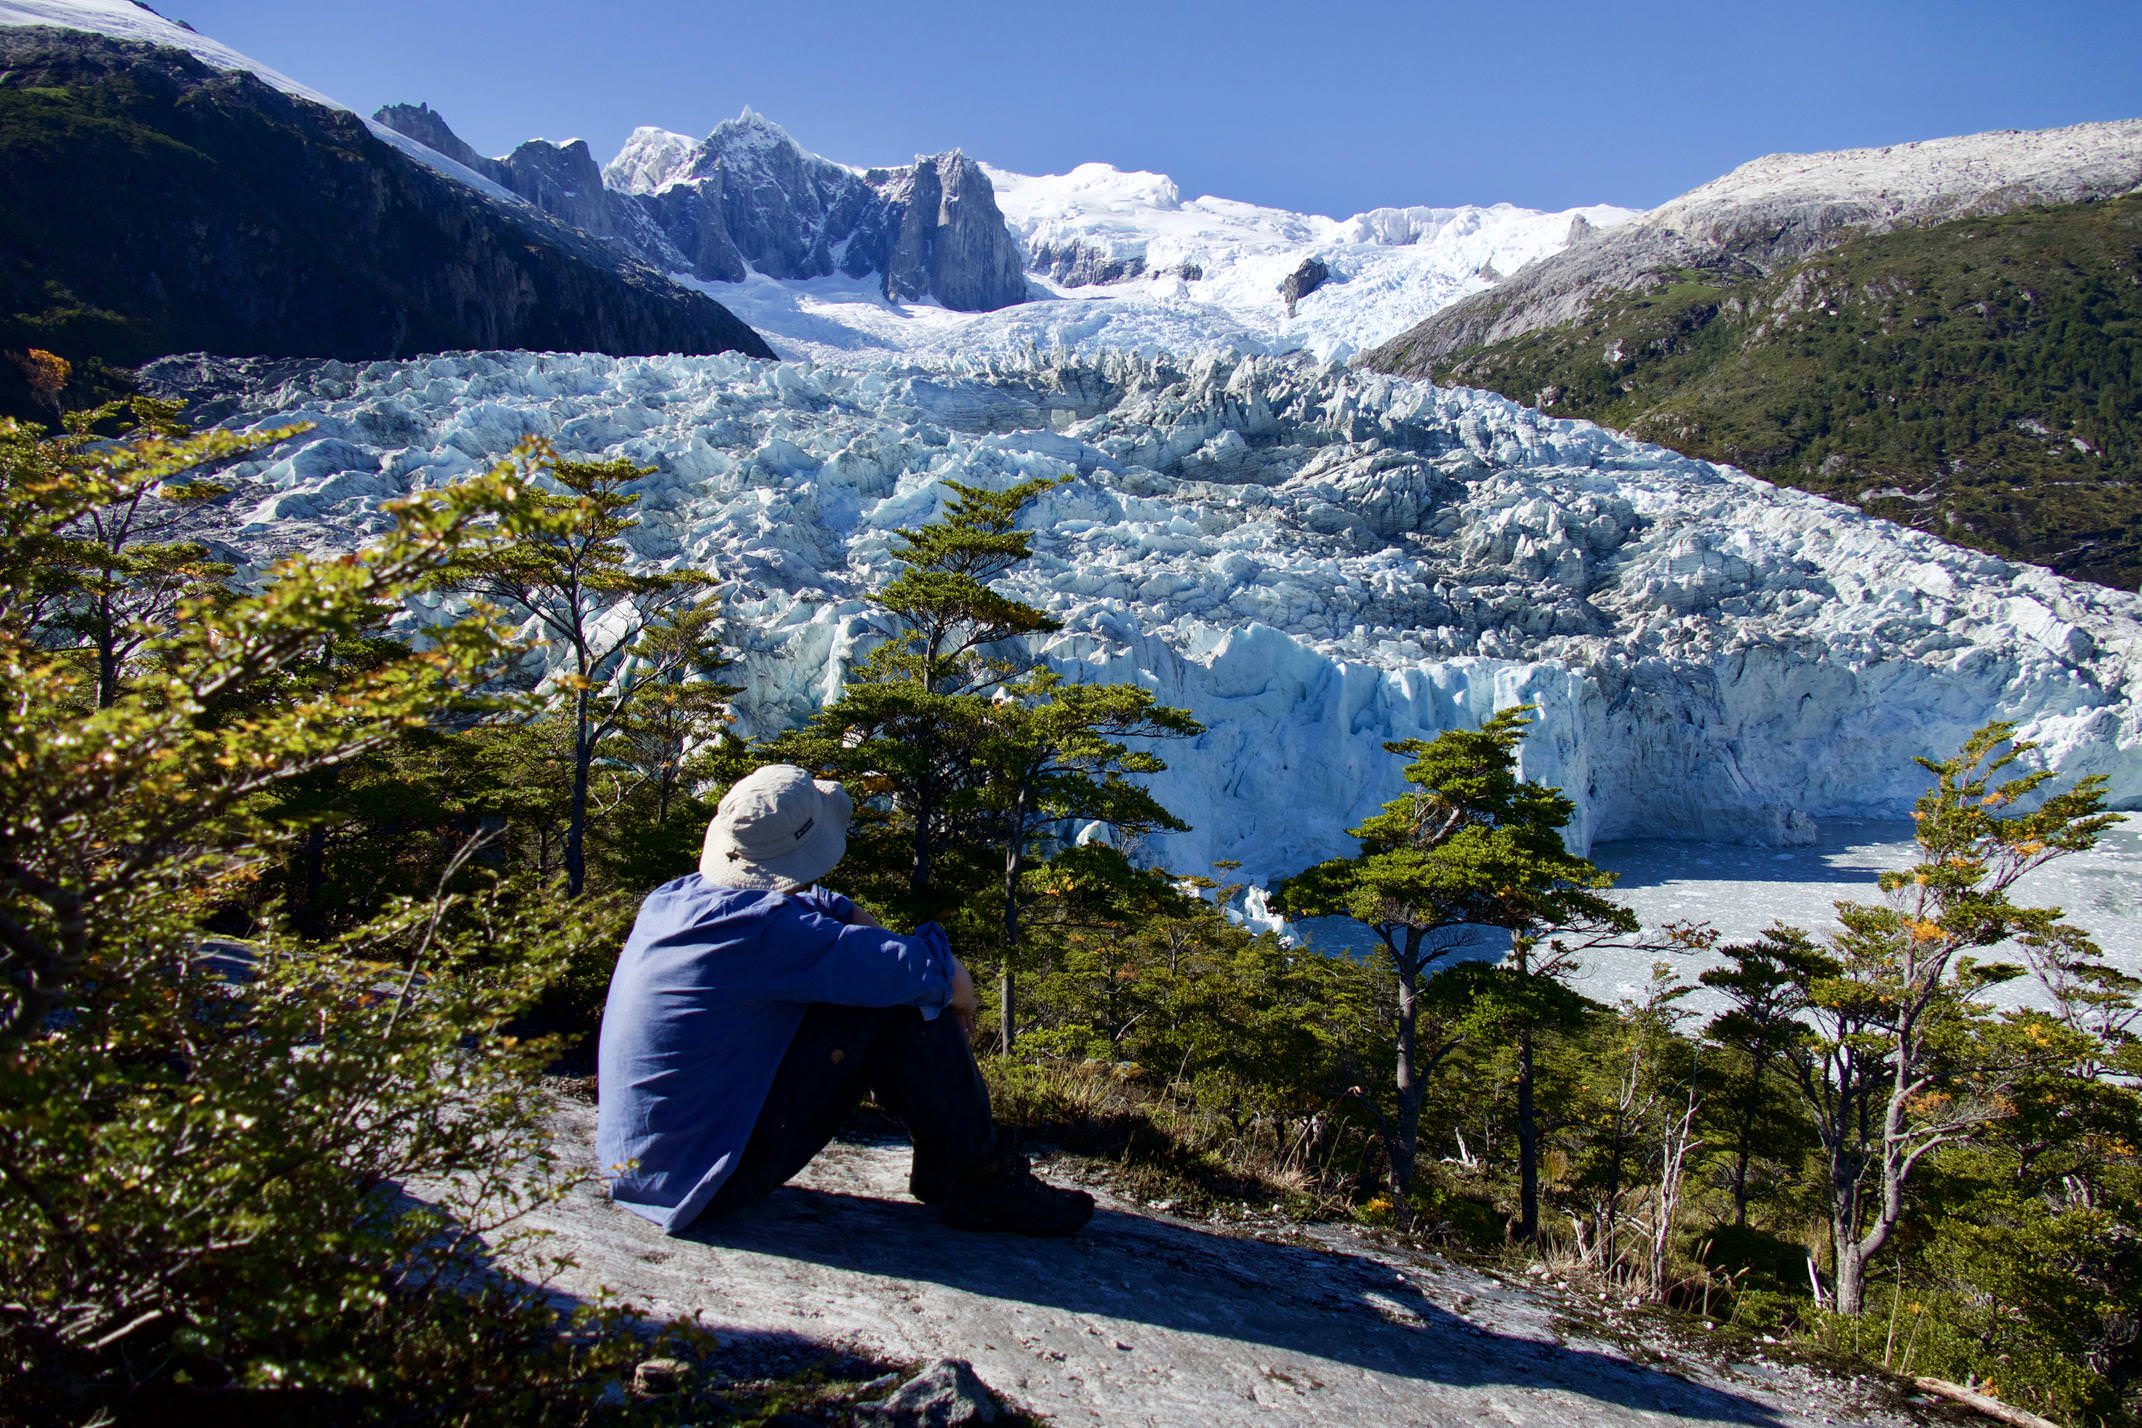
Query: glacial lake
x=1741, y=890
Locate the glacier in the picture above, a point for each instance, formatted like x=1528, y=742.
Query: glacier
x=1312, y=559
x=1119, y=261
x=1215, y=265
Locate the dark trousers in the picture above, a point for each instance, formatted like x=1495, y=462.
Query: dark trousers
x=921, y=1071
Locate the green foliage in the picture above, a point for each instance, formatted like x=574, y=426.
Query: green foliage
x=1974, y=378
x=1224, y=1064
x=1054, y=756
x=1472, y=845
x=204, y=1144
x=1904, y=1056
x=643, y=676
x=908, y=730
x=974, y=754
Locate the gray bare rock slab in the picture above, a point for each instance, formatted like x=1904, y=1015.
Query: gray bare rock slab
x=1148, y=1319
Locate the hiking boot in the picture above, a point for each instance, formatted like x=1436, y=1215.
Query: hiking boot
x=1002, y=1194
x=932, y=1184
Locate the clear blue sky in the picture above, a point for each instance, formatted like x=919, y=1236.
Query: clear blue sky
x=1325, y=105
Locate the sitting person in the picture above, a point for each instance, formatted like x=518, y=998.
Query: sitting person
x=750, y=1011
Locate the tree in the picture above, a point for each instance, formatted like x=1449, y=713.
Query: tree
x=101, y=579
x=625, y=632
x=911, y=722
x=1901, y=1062
x=1760, y=983
x=1470, y=845
x=200, y=1141
x=677, y=710
x=1054, y=754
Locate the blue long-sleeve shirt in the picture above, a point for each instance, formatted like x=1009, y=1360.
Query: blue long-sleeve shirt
x=707, y=995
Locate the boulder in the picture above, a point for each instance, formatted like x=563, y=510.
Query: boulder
x=944, y=1395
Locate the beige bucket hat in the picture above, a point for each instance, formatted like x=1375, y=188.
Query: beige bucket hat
x=777, y=828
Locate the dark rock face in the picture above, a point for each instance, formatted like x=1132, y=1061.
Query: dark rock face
x=157, y=205
x=1304, y=280
x=1077, y=265
x=564, y=181
x=687, y=220
x=949, y=238
x=425, y=125
x=789, y=213
x=753, y=196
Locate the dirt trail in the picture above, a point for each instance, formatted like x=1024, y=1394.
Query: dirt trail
x=1148, y=1319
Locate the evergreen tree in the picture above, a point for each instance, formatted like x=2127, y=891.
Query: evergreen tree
x=200, y=1143
x=912, y=720
x=625, y=632
x=107, y=581
x=1904, y=1059
x=1054, y=755
x=1470, y=845
x=1759, y=981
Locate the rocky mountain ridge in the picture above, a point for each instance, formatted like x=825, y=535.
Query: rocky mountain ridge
x=748, y=196
x=157, y=203
x=1780, y=208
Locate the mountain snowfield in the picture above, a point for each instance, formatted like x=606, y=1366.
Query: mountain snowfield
x=1120, y=261
x=1311, y=559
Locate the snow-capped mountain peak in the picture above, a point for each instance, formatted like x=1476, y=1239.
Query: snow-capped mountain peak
x=1099, y=234
x=650, y=161
x=752, y=132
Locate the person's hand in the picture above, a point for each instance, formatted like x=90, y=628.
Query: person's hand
x=963, y=1003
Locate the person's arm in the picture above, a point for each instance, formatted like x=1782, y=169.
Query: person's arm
x=837, y=907
x=804, y=954
x=963, y=1003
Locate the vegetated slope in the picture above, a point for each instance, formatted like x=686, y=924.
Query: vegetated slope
x=1980, y=378
x=1784, y=207
x=156, y=204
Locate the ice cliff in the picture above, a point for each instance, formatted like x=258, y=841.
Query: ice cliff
x=1313, y=560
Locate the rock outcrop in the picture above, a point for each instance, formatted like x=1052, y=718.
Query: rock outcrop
x=947, y=238
x=424, y=124
x=1080, y=265
x=564, y=181
x=1145, y=1318
x=157, y=204
x=1304, y=280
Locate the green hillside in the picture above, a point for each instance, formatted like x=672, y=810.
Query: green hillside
x=1980, y=379
x=156, y=205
